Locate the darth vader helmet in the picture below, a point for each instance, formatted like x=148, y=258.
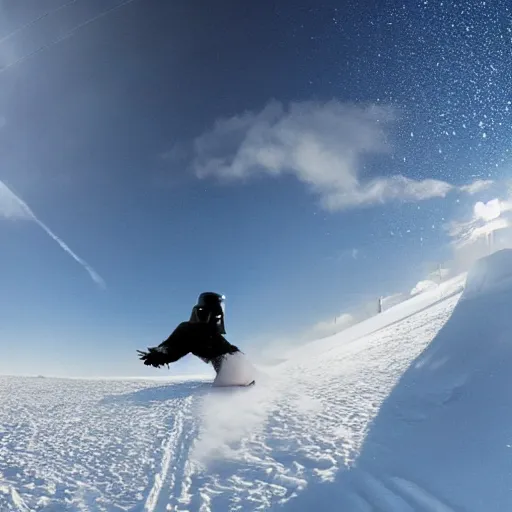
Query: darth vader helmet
x=210, y=310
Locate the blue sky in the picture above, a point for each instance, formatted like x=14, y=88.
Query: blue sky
x=301, y=158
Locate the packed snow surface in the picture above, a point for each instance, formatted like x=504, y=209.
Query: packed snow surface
x=407, y=411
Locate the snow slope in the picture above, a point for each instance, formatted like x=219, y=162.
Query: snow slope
x=444, y=434
x=408, y=411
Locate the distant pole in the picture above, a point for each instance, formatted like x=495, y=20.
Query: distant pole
x=490, y=241
x=380, y=305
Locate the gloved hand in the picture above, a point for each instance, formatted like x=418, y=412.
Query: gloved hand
x=154, y=357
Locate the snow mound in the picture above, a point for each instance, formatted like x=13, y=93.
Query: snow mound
x=478, y=325
x=446, y=425
x=490, y=275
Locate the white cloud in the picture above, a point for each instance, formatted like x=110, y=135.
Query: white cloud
x=322, y=144
x=476, y=186
x=490, y=210
x=382, y=190
x=13, y=207
x=487, y=218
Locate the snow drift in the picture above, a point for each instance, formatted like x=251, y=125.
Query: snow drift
x=444, y=434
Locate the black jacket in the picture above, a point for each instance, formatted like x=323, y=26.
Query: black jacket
x=202, y=340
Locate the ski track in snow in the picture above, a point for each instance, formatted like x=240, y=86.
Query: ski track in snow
x=71, y=445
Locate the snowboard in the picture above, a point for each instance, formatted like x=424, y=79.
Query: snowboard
x=252, y=383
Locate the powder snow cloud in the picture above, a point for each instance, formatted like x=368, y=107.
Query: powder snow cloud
x=321, y=144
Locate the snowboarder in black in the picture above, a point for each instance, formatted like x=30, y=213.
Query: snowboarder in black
x=202, y=336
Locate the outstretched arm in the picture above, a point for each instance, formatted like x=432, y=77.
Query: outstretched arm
x=173, y=348
x=225, y=347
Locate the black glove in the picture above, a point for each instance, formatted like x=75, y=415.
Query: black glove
x=153, y=358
